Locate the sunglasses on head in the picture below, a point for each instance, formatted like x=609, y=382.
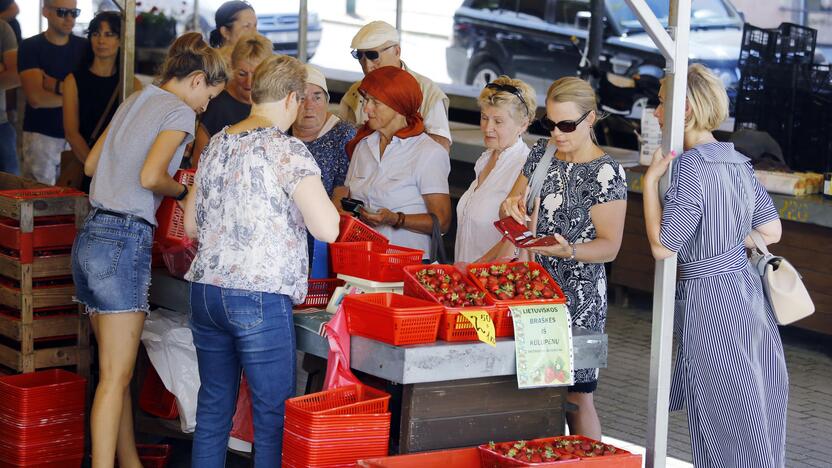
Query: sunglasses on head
x=370, y=54
x=566, y=126
x=63, y=12
x=509, y=89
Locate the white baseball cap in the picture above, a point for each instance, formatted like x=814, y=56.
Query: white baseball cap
x=315, y=77
x=374, y=34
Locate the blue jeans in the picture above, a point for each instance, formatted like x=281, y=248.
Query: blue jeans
x=234, y=328
x=8, y=149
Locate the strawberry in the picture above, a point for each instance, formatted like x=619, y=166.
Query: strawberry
x=549, y=375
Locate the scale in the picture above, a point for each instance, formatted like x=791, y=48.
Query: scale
x=354, y=285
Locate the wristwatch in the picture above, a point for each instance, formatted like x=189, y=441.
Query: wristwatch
x=184, y=193
x=400, y=221
x=574, y=251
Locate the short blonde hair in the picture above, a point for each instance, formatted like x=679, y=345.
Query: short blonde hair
x=519, y=111
x=577, y=91
x=707, y=99
x=253, y=47
x=277, y=77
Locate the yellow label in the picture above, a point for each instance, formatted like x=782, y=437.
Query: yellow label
x=482, y=324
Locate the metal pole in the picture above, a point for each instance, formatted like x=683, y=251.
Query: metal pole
x=40, y=17
x=128, y=45
x=596, y=34
x=399, y=17
x=675, y=49
x=195, y=23
x=303, y=27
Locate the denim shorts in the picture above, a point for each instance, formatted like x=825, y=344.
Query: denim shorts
x=111, y=263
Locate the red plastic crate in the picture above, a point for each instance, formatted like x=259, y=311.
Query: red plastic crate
x=348, y=400
x=352, y=229
x=393, y=318
x=49, y=232
x=170, y=218
x=453, y=458
x=453, y=326
x=41, y=192
x=154, y=456
x=373, y=260
x=155, y=399
x=621, y=459
x=319, y=292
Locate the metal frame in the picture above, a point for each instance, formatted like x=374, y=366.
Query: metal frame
x=303, y=28
x=673, y=44
x=128, y=46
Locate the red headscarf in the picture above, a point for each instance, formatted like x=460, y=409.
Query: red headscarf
x=400, y=91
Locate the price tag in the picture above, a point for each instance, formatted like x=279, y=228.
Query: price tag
x=483, y=325
x=543, y=345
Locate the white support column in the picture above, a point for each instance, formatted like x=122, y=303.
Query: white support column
x=674, y=47
x=303, y=27
x=399, y=16
x=128, y=46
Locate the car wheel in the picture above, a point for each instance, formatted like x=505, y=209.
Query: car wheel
x=484, y=73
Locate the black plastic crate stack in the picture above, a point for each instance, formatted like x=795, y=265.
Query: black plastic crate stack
x=778, y=93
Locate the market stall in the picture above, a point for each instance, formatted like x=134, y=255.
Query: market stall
x=444, y=394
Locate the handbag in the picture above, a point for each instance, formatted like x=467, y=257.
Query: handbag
x=437, y=244
x=72, y=169
x=783, y=286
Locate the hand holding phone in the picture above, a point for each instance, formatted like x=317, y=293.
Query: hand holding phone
x=519, y=235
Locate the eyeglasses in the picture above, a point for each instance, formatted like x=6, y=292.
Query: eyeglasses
x=63, y=12
x=566, y=126
x=509, y=89
x=370, y=54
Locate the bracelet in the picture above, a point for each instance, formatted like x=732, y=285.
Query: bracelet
x=184, y=193
x=400, y=221
x=574, y=251
x=58, y=88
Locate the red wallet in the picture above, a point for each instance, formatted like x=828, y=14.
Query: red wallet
x=520, y=236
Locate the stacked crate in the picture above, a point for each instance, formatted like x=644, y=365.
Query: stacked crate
x=783, y=93
x=40, y=325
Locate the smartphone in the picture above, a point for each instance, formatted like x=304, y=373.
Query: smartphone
x=519, y=235
x=351, y=204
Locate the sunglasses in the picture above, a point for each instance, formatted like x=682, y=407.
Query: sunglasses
x=509, y=89
x=566, y=126
x=370, y=54
x=63, y=12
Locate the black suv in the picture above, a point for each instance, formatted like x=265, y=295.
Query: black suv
x=534, y=40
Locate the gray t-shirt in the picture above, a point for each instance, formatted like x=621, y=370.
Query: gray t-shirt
x=134, y=128
x=7, y=43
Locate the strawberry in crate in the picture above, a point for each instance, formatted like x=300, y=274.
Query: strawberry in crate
x=449, y=288
x=584, y=447
x=516, y=281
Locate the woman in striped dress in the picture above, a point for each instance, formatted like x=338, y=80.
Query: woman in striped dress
x=730, y=371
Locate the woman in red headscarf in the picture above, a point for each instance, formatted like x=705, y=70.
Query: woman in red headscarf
x=396, y=169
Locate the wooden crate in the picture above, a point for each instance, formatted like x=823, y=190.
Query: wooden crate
x=26, y=268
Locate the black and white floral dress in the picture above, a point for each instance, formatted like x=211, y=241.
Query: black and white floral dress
x=569, y=191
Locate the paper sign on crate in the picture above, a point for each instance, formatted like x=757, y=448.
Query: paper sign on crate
x=543, y=345
x=483, y=325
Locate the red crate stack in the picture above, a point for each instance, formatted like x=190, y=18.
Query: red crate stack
x=336, y=427
x=393, y=318
x=42, y=419
x=37, y=229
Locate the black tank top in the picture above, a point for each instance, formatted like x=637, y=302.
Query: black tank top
x=94, y=92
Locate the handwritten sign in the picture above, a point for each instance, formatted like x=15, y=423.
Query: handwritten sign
x=543, y=345
x=483, y=325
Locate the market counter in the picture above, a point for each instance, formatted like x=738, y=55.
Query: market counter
x=807, y=230
x=444, y=394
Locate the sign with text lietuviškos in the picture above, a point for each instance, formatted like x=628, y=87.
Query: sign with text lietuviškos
x=543, y=345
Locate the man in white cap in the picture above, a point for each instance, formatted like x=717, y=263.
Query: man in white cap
x=377, y=45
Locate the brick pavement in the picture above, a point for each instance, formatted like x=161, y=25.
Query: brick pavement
x=621, y=398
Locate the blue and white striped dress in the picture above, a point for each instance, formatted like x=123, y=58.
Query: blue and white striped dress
x=730, y=370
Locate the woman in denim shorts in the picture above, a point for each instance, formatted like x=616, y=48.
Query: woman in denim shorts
x=256, y=192
x=132, y=165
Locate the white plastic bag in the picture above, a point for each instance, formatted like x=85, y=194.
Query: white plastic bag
x=170, y=347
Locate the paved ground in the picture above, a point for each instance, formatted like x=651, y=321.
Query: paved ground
x=621, y=398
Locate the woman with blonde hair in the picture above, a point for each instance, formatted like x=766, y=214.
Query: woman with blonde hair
x=234, y=103
x=255, y=194
x=578, y=194
x=730, y=370
x=132, y=166
x=507, y=107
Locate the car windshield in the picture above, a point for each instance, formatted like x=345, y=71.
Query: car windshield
x=704, y=14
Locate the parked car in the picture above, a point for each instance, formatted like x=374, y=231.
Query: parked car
x=533, y=40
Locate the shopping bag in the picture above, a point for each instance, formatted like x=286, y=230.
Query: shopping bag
x=338, y=373
x=242, y=425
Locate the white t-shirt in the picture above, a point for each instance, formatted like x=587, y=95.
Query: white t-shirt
x=479, y=206
x=411, y=167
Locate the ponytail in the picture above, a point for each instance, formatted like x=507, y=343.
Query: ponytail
x=215, y=38
x=189, y=54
